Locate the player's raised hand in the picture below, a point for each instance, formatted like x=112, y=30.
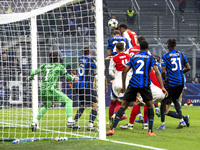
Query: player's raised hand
x=122, y=90
x=165, y=92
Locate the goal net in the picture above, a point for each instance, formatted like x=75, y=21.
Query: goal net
x=30, y=32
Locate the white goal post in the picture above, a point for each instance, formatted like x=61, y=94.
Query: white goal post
x=30, y=34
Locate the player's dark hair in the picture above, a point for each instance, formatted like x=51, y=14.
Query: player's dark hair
x=53, y=57
x=144, y=45
x=123, y=26
x=86, y=50
x=115, y=32
x=140, y=38
x=157, y=57
x=120, y=46
x=171, y=43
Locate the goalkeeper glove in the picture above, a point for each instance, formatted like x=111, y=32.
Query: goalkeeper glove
x=30, y=78
x=76, y=79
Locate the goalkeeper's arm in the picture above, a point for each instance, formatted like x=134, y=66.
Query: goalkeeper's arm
x=36, y=72
x=71, y=78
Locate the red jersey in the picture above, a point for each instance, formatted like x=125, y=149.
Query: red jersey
x=133, y=50
x=131, y=37
x=121, y=60
x=154, y=78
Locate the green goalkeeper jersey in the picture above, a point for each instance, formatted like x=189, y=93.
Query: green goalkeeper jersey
x=50, y=75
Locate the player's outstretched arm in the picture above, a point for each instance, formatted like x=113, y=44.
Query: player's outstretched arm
x=124, y=73
x=39, y=70
x=158, y=76
x=186, y=68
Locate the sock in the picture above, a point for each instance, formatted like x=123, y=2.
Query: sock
x=183, y=16
x=117, y=106
x=178, y=108
x=79, y=113
x=43, y=110
x=68, y=106
x=134, y=113
x=145, y=114
x=69, y=119
x=111, y=108
x=162, y=110
x=119, y=114
x=90, y=124
x=139, y=113
x=41, y=113
x=181, y=120
x=156, y=105
x=93, y=115
x=173, y=114
x=162, y=123
x=151, y=118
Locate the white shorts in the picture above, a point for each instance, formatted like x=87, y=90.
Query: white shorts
x=116, y=87
x=157, y=94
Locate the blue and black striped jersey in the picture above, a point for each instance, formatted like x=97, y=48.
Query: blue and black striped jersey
x=86, y=72
x=141, y=63
x=174, y=61
x=159, y=66
x=112, y=41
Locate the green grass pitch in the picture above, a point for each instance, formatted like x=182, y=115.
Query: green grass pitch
x=171, y=138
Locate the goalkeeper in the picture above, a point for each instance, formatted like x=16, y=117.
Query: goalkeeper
x=50, y=75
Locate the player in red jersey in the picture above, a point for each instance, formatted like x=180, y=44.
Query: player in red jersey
x=117, y=64
x=136, y=49
x=128, y=34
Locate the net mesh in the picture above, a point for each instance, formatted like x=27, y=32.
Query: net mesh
x=62, y=26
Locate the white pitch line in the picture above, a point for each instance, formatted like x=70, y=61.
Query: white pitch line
x=138, y=145
x=20, y=125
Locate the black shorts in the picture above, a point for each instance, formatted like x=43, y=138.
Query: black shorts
x=87, y=96
x=174, y=93
x=131, y=93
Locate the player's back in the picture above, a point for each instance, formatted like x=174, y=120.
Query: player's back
x=112, y=42
x=121, y=60
x=133, y=50
x=141, y=63
x=86, y=70
x=131, y=37
x=174, y=62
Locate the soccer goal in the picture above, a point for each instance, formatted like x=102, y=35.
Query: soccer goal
x=30, y=31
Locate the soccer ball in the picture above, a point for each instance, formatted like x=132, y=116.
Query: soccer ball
x=113, y=23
